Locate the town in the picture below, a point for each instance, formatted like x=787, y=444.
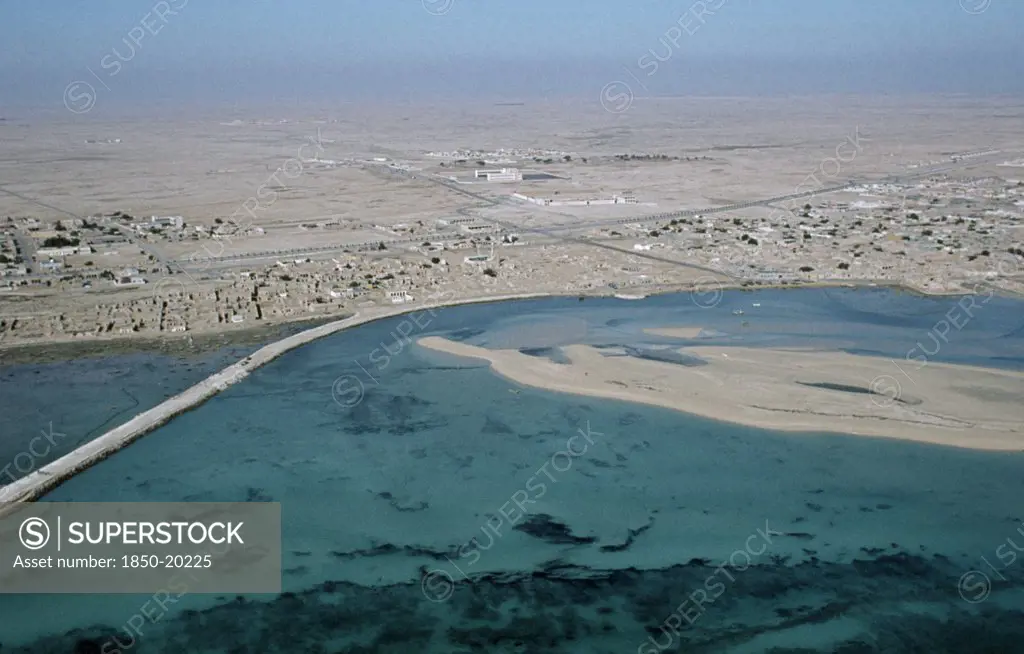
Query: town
x=424, y=225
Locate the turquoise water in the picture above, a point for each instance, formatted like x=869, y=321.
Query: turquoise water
x=666, y=532
x=47, y=410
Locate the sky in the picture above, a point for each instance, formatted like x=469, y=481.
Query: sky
x=242, y=51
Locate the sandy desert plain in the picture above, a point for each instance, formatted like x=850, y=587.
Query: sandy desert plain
x=191, y=225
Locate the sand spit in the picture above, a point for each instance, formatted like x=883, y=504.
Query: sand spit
x=791, y=390
x=45, y=479
x=675, y=332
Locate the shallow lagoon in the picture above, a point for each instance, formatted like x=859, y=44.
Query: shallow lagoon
x=834, y=541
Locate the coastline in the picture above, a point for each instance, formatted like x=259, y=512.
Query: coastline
x=179, y=345
x=40, y=351
x=45, y=479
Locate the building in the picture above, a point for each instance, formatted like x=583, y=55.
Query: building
x=176, y=222
x=129, y=277
x=134, y=280
x=399, y=297
x=445, y=222
x=66, y=251
x=627, y=198
x=478, y=228
x=500, y=175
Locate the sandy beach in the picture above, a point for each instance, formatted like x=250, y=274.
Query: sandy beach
x=790, y=390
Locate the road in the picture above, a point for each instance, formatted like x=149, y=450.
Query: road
x=556, y=232
x=660, y=217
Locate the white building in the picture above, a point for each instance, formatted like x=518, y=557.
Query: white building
x=399, y=297
x=445, y=222
x=548, y=202
x=177, y=222
x=130, y=281
x=64, y=251
x=500, y=175
x=479, y=228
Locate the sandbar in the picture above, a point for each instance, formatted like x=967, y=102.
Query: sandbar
x=790, y=390
x=675, y=332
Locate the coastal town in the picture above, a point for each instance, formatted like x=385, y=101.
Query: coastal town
x=473, y=223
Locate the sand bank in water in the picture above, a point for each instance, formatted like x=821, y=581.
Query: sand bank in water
x=791, y=390
x=675, y=332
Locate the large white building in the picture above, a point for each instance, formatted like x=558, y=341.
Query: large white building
x=500, y=175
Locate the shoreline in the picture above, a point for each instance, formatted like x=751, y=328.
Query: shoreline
x=52, y=475
x=45, y=479
x=178, y=345
x=70, y=349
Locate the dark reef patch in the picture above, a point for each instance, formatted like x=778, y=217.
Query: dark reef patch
x=548, y=529
x=562, y=608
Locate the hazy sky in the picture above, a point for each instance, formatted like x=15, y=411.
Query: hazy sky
x=253, y=50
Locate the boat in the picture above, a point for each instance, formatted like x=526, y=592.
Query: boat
x=738, y=312
x=756, y=304
x=624, y=296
